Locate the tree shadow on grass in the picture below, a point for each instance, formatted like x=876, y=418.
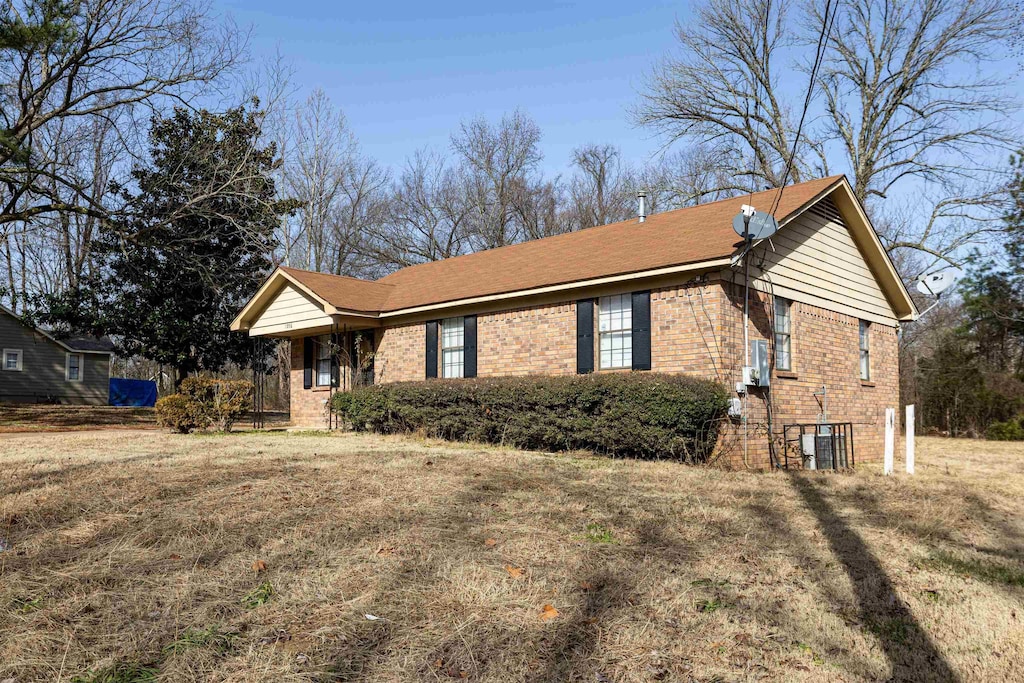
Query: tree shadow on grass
x=911, y=653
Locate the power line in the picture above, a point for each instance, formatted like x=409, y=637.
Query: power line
x=819, y=57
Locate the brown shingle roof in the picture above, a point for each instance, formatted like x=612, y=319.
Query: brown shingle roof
x=679, y=237
x=348, y=293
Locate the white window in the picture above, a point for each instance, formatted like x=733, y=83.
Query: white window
x=865, y=350
x=783, y=334
x=453, y=349
x=12, y=359
x=73, y=367
x=323, y=360
x=615, y=331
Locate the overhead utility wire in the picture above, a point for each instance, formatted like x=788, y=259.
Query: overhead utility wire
x=819, y=57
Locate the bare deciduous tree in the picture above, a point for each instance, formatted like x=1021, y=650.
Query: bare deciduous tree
x=600, y=191
x=427, y=214
x=722, y=89
x=321, y=159
x=899, y=96
x=905, y=95
x=501, y=162
x=94, y=58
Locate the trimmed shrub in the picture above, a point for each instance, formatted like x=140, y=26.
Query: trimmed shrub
x=222, y=401
x=177, y=412
x=203, y=402
x=1011, y=430
x=646, y=415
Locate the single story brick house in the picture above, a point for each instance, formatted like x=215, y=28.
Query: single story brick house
x=37, y=367
x=665, y=294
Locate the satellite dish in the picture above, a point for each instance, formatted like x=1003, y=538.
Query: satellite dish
x=934, y=284
x=762, y=225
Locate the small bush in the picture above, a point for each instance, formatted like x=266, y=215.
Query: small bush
x=178, y=412
x=1012, y=430
x=203, y=402
x=647, y=415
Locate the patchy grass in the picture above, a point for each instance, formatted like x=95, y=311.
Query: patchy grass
x=595, y=533
x=118, y=673
x=211, y=636
x=982, y=569
x=260, y=595
x=140, y=556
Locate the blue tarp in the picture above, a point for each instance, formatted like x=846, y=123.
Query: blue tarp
x=138, y=393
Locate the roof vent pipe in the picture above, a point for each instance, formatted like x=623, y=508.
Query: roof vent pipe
x=641, y=208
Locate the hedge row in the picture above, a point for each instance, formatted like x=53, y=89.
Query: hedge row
x=646, y=415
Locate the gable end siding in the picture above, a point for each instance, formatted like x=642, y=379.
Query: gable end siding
x=289, y=309
x=815, y=260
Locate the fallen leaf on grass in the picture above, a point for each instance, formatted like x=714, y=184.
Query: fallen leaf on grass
x=514, y=572
x=491, y=542
x=259, y=566
x=548, y=612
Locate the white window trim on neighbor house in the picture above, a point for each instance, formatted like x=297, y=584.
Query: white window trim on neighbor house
x=453, y=347
x=322, y=357
x=783, y=334
x=80, y=368
x=865, y=350
x=615, y=332
x=18, y=363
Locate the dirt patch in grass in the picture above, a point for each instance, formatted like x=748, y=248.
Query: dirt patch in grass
x=306, y=557
x=36, y=418
x=19, y=418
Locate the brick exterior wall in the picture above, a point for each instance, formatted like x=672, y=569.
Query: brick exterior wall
x=696, y=328
x=528, y=341
x=825, y=351
x=401, y=354
x=308, y=406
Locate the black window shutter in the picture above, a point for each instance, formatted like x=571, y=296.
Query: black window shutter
x=307, y=363
x=641, y=330
x=469, y=346
x=431, y=349
x=584, y=336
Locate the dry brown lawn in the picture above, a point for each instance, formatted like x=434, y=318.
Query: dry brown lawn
x=136, y=556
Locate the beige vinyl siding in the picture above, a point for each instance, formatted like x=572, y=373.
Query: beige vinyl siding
x=289, y=309
x=816, y=260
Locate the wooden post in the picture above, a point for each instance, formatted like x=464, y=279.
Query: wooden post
x=910, y=439
x=890, y=425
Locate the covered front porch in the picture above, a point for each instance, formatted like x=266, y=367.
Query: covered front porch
x=332, y=349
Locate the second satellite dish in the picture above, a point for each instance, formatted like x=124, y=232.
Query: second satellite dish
x=762, y=225
x=934, y=284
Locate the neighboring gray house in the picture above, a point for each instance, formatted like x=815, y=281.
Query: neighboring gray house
x=36, y=367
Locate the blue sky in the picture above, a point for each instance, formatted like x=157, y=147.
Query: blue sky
x=406, y=74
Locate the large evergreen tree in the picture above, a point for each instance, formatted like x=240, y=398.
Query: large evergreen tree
x=193, y=242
